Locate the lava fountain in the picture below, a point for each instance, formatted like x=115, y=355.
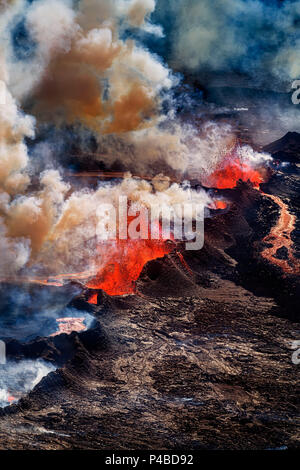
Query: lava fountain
x=119, y=276
x=228, y=175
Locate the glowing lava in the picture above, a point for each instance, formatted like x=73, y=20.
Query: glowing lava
x=68, y=324
x=119, y=276
x=280, y=237
x=227, y=176
x=218, y=205
x=184, y=263
x=231, y=171
x=93, y=299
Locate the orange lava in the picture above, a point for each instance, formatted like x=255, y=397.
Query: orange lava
x=280, y=236
x=227, y=176
x=119, y=276
x=184, y=263
x=11, y=399
x=68, y=324
x=231, y=171
x=219, y=205
x=93, y=299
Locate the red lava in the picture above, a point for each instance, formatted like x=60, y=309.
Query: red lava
x=120, y=275
x=11, y=399
x=218, y=205
x=279, y=237
x=230, y=172
x=93, y=299
x=184, y=263
x=68, y=324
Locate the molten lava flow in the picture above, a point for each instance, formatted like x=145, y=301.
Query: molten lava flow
x=68, y=324
x=226, y=176
x=93, y=299
x=184, y=263
x=119, y=276
x=280, y=237
x=231, y=171
x=11, y=399
x=219, y=205
x=55, y=281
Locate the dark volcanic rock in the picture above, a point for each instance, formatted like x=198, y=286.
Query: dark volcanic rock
x=282, y=253
x=199, y=358
x=58, y=349
x=286, y=149
x=202, y=370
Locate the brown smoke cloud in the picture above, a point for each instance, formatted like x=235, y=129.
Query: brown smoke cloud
x=89, y=74
x=83, y=73
x=43, y=228
x=14, y=126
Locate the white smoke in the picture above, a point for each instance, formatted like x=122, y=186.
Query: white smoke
x=46, y=226
x=18, y=378
x=252, y=158
x=256, y=37
x=75, y=232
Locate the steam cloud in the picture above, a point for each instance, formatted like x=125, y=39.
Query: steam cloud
x=19, y=378
x=28, y=311
x=77, y=68
x=257, y=37
x=249, y=45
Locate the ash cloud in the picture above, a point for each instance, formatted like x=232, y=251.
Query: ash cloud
x=82, y=74
x=255, y=37
x=238, y=46
x=77, y=53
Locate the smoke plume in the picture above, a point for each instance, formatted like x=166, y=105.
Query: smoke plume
x=76, y=68
x=257, y=37
x=19, y=378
